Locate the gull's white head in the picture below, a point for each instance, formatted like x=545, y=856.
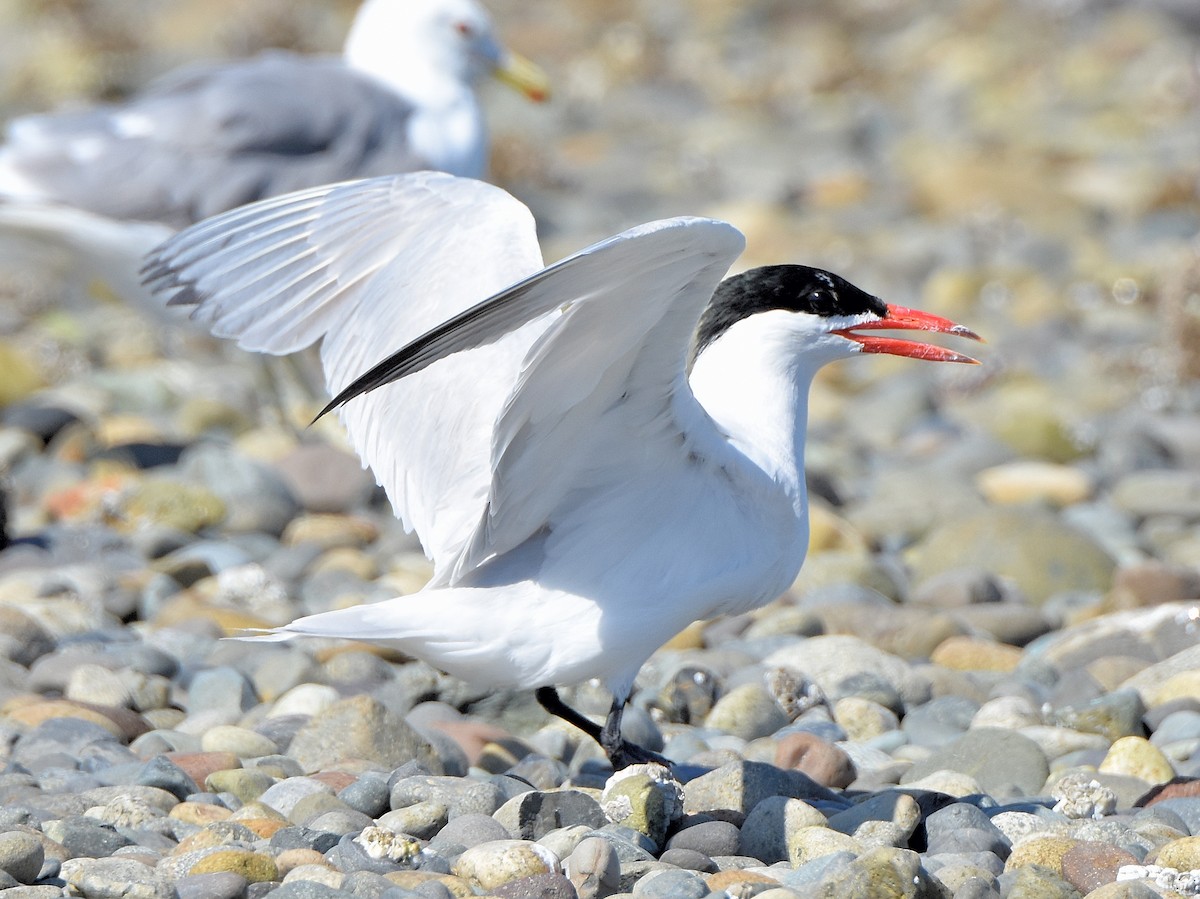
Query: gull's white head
x=432, y=50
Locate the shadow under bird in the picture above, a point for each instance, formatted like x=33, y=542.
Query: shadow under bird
x=594, y=453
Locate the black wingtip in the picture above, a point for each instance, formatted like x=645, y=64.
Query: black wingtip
x=328, y=407
x=187, y=295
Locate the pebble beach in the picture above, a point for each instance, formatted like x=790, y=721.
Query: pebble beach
x=985, y=681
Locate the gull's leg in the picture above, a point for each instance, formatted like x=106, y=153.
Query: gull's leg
x=621, y=753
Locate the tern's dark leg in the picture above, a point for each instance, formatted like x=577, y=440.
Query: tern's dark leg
x=620, y=751
x=549, y=699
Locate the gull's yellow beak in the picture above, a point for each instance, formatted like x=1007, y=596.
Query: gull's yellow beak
x=523, y=75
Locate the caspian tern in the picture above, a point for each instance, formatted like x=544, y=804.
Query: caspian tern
x=594, y=453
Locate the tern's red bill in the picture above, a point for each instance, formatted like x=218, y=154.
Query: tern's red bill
x=901, y=318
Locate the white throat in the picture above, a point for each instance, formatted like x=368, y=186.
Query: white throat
x=754, y=384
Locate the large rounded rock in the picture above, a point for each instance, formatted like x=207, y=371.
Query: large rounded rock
x=21, y=856
x=1004, y=763
x=1038, y=552
x=492, y=864
x=359, y=728
x=1137, y=757
x=740, y=786
x=747, y=711
x=765, y=832
x=836, y=662
x=253, y=496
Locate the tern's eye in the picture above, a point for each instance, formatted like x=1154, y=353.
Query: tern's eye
x=821, y=301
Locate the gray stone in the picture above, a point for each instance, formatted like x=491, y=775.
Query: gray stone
x=115, y=878
x=324, y=478
x=1005, y=764
x=835, y=661
x=1037, y=551
x=531, y=815
x=670, y=885
x=1158, y=492
x=21, y=856
x=1178, y=727
x=887, y=818
x=982, y=861
x=806, y=876
x=365, y=885
x=284, y=795
x=1187, y=809
x=885, y=872
x=369, y=794
x=1114, y=715
x=712, y=838
x=539, y=886
x=256, y=498
x=350, y=855
x=961, y=827
x=309, y=889
x=939, y=721
x=470, y=829
x=741, y=785
x=360, y=728
x=764, y=833
x=458, y=795
x=37, y=749
x=220, y=689
x=689, y=860
x=1009, y=622
x=629, y=846
x=85, y=837
x=422, y=820
x=218, y=885
x=158, y=772
x=593, y=867
x=34, y=892
x=747, y=711
x=339, y=821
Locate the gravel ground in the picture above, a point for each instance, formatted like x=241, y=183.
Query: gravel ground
x=986, y=681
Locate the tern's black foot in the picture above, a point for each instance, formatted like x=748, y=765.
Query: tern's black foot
x=623, y=753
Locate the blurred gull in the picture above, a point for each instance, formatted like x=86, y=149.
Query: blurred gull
x=212, y=137
x=594, y=454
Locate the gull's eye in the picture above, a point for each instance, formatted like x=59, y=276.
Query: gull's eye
x=465, y=29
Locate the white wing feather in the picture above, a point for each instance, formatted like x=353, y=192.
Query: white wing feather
x=367, y=267
x=603, y=393
x=497, y=415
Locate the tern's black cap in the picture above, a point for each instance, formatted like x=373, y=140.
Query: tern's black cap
x=797, y=288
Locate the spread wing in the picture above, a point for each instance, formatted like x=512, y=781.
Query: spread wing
x=367, y=267
x=209, y=138
x=602, y=393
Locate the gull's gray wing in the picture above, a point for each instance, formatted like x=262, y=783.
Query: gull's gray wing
x=209, y=138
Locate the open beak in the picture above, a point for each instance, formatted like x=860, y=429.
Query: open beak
x=523, y=75
x=900, y=318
